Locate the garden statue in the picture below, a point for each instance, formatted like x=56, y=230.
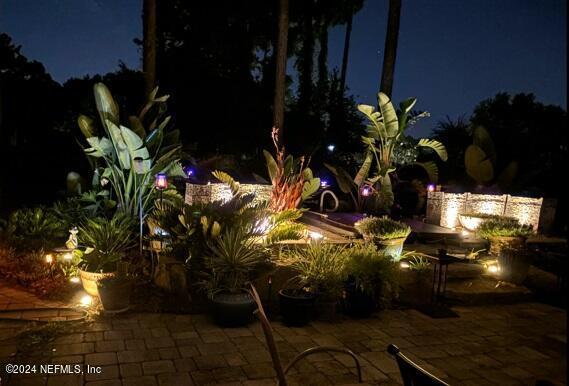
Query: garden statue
x=72, y=242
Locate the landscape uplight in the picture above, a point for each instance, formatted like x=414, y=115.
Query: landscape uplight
x=86, y=301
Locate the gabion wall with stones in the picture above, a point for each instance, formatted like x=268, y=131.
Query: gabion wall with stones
x=219, y=191
x=444, y=208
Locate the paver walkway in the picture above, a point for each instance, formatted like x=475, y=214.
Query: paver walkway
x=16, y=303
x=493, y=345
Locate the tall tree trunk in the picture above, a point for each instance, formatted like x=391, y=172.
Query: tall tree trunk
x=280, y=77
x=323, y=57
x=344, y=70
x=306, y=60
x=149, y=45
x=390, y=47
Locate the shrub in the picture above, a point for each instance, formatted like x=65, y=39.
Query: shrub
x=232, y=260
x=34, y=228
x=106, y=241
x=373, y=272
x=503, y=227
x=319, y=267
x=382, y=228
x=30, y=270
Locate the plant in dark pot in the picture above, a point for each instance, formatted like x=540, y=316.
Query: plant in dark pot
x=233, y=260
x=504, y=232
x=415, y=279
x=114, y=291
x=513, y=265
x=372, y=280
x=106, y=241
x=319, y=276
x=389, y=235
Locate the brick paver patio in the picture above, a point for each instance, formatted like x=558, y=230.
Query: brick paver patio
x=493, y=345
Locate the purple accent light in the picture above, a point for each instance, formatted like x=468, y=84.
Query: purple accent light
x=161, y=181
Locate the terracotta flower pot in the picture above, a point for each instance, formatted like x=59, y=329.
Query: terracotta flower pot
x=89, y=280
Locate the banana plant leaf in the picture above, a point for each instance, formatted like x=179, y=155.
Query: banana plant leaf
x=343, y=178
x=363, y=173
x=100, y=147
x=431, y=169
x=310, y=187
x=438, y=147
x=106, y=105
x=389, y=115
x=87, y=127
x=272, y=167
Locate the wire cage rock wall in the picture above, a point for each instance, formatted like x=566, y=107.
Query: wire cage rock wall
x=444, y=208
x=196, y=193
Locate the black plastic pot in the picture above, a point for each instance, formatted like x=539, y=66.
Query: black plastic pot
x=297, y=307
x=115, y=298
x=232, y=309
x=359, y=304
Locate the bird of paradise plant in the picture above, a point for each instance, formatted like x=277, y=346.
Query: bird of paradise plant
x=128, y=158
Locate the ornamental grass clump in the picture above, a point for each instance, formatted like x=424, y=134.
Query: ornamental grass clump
x=383, y=228
x=504, y=227
x=372, y=272
x=319, y=267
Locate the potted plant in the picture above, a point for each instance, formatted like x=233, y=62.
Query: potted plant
x=504, y=232
x=513, y=265
x=471, y=221
x=114, y=292
x=389, y=235
x=106, y=242
x=416, y=279
x=232, y=261
x=320, y=274
x=371, y=280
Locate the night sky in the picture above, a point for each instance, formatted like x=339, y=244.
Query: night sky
x=451, y=54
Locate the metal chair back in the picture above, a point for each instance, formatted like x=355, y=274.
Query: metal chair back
x=413, y=374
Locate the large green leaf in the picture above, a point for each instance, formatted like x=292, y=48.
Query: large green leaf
x=508, y=175
x=137, y=126
x=405, y=107
x=389, y=115
x=310, y=187
x=431, y=168
x=307, y=174
x=377, y=129
x=438, y=147
x=385, y=193
x=272, y=167
x=127, y=144
x=482, y=139
x=478, y=165
x=86, y=125
x=106, y=105
x=344, y=180
x=364, y=169
x=100, y=147
x=226, y=178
